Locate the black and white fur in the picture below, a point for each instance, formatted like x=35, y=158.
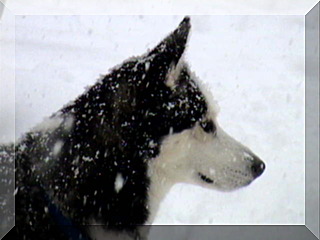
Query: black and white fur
x=99, y=167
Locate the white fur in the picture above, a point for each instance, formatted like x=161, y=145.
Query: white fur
x=184, y=155
x=173, y=73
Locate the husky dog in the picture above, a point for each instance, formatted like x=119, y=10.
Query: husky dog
x=102, y=164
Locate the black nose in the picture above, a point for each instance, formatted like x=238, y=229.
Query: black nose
x=257, y=168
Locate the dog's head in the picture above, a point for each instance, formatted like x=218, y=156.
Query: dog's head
x=193, y=147
x=153, y=108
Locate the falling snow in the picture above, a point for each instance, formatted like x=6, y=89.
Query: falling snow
x=57, y=148
x=87, y=159
x=119, y=182
x=239, y=76
x=248, y=156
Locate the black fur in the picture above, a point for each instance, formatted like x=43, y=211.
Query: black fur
x=118, y=126
x=6, y=188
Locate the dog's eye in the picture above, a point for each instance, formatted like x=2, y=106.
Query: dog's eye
x=208, y=126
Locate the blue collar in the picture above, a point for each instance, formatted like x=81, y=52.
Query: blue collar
x=65, y=224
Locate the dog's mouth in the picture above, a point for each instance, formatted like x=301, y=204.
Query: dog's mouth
x=205, y=178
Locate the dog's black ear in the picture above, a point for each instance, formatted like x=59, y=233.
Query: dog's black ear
x=164, y=58
x=172, y=47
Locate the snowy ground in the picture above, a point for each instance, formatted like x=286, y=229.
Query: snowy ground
x=253, y=64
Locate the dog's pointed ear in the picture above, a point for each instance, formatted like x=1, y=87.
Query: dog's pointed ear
x=173, y=46
x=167, y=54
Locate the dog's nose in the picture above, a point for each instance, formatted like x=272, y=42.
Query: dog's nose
x=257, y=167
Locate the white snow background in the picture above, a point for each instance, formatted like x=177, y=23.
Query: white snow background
x=254, y=66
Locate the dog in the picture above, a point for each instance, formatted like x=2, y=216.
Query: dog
x=99, y=167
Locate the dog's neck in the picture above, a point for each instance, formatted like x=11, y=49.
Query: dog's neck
x=165, y=170
x=159, y=187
